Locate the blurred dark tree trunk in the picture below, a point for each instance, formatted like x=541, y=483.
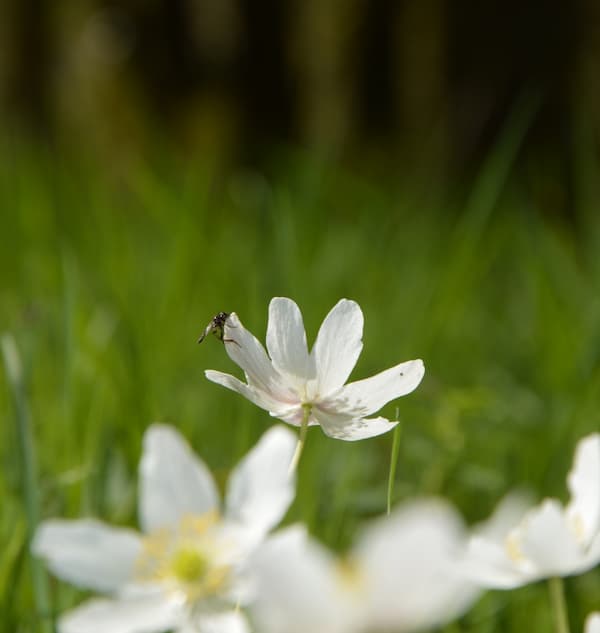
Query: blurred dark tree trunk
x=29, y=82
x=499, y=51
x=264, y=81
x=376, y=73
x=164, y=54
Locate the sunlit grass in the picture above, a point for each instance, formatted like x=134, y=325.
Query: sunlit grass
x=106, y=281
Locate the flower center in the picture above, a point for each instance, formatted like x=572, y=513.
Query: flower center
x=189, y=565
x=189, y=559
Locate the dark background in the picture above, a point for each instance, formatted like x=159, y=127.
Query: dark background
x=378, y=82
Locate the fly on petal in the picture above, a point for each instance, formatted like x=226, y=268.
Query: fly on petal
x=216, y=326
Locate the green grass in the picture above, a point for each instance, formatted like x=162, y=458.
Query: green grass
x=107, y=277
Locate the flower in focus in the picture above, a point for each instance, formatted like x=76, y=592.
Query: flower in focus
x=306, y=389
x=398, y=577
x=516, y=547
x=187, y=570
x=592, y=623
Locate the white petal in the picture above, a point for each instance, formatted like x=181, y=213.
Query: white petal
x=591, y=556
x=260, y=489
x=147, y=614
x=297, y=587
x=88, y=553
x=487, y=560
x=259, y=398
x=584, y=485
x=226, y=622
x=338, y=346
x=545, y=539
x=364, y=397
x=245, y=350
x=343, y=427
x=173, y=481
x=408, y=560
x=488, y=564
x=286, y=340
x=592, y=623
x=506, y=516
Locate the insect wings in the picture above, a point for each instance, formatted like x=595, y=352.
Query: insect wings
x=216, y=326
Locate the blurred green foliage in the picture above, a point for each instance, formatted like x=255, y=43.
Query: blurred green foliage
x=107, y=277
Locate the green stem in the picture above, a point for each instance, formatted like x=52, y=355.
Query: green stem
x=14, y=373
x=559, y=605
x=393, y=463
x=301, y=439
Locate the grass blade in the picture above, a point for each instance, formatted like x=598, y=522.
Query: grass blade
x=14, y=372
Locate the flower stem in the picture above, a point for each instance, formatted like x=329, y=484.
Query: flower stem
x=393, y=462
x=301, y=439
x=559, y=605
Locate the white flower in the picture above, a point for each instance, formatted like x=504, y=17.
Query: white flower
x=518, y=547
x=187, y=571
x=398, y=577
x=592, y=623
x=303, y=388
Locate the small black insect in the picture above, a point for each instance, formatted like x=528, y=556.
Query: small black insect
x=216, y=326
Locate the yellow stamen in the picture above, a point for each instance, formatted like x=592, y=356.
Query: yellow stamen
x=189, y=565
x=513, y=548
x=578, y=527
x=349, y=574
x=186, y=558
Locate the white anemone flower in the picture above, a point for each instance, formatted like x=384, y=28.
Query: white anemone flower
x=517, y=547
x=399, y=576
x=187, y=570
x=592, y=623
x=307, y=389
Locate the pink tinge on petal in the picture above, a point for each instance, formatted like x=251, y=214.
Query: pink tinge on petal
x=292, y=414
x=344, y=427
x=247, y=352
x=260, y=398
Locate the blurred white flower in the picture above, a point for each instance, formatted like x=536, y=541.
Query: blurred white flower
x=398, y=577
x=592, y=623
x=516, y=547
x=187, y=571
x=303, y=388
